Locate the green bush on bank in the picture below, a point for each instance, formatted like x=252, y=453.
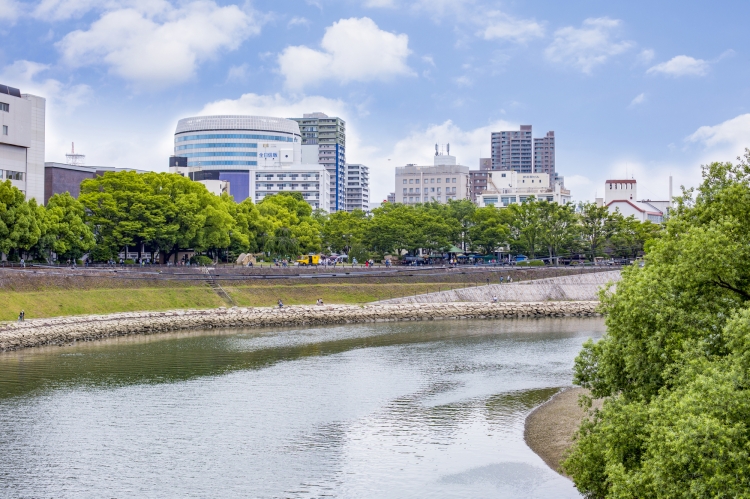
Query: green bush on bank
x=531, y=263
x=674, y=366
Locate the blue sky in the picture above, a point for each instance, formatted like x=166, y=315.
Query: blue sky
x=648, y=88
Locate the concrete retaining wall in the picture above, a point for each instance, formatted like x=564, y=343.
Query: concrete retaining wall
x=572, y=287
x=65, y=330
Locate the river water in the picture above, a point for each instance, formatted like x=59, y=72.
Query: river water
x=388, y=410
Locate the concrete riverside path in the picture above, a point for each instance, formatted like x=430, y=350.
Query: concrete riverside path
x=66, y=330
x=583, y=287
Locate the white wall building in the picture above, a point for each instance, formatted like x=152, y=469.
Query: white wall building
x=442, y=182
x=257, y=155
x=22, y=136
x=508, y=187
x=357, y=187
x=622, y=196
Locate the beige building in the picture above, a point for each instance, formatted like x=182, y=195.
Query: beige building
x=444, y=181
x=22, y=138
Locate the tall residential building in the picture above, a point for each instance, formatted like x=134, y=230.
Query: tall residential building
x=324, y=143
x=518, y=151
x=257, y=155
x=512, y=150
x=357, y=187
x=478, y=178
x=22, y=138
x=442, y=182
x=544, y=154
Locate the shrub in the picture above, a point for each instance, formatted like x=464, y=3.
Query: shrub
x=531, y=263
x=201, y=260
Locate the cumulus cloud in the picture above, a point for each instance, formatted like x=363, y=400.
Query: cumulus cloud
x=588, y=46
x=734, y=132
x=351, y=50
x=276, y=105
x=501, y=26
x=26, y=76
x=380, y=3
x=681, y=65
x=157, y=46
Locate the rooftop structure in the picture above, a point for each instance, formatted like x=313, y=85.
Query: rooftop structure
x=444, y=181
x=622, y=196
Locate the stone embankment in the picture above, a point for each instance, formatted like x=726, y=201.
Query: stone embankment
x=576, y=287
x=65, y=330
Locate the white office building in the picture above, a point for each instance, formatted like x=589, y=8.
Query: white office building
x=509, y=187
x=22, y=119
x=442, y=182
x=357, y=187
x=622, y=196
x=256, y=155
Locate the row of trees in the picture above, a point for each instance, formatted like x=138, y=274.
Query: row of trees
x=674, y=366
x=167, y=213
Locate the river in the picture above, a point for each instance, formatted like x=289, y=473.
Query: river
x=386, y=410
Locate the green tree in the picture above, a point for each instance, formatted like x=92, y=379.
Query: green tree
x=20, y=224
x=560, y=227
x=526, y=225
x=343, y=229
x=283, y=244
x=65, y=232
x=596, y=226
x=674, y=365
x=488, y=229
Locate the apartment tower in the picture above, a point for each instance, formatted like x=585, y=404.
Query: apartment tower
x=324, y=143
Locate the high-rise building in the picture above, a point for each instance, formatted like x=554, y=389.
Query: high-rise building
x=512, y=150
x=478, y=178
x=324, y=143
x=357, y=187
x=22, y=136
x=544, y=154
x=258, y=156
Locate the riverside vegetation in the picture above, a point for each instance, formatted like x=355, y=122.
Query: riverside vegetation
x=165, y=213
x=674, y=366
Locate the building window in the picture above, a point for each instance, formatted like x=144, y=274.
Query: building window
x=4, y=107
x=411, y=180
x=438, y=181
x=416, y=181
x=10, y=175
x=454, y=180
x=5, y=129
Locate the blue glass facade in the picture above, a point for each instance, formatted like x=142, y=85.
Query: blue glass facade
x=249, y=145
x=221, y=153
x=233, y=136
x=221, y=163
x=239, y=184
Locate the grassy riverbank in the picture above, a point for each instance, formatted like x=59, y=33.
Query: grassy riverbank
x=63, y=302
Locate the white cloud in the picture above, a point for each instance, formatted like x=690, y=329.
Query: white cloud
x=25, y=75
x=498, y=25
x=352, y=50
x=159, y=47
x=646, y=56
x=463, y=81
x=734, y=133
x=276, y=105
x=681, y=65
x=638, y=99
x=10, y=10
x=588, y=46
x=298, y=21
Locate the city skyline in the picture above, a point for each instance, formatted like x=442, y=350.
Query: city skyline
x=628, y=91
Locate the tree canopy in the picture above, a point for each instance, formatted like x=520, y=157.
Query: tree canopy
x=674, y=366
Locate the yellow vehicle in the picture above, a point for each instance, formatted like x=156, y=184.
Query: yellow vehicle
x=309, y=260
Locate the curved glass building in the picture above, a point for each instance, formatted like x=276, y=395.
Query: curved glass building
x=244, y=149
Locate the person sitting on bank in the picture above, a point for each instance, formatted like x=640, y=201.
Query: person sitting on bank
x=281, y=304
x=320, y=301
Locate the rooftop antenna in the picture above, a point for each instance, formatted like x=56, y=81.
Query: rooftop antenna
x=449, y=149
x=75, y=159
x=436, y=149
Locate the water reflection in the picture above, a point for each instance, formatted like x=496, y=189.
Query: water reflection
x=427, y=409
